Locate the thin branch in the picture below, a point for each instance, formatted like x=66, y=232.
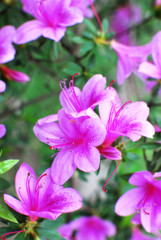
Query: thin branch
x=8, y=112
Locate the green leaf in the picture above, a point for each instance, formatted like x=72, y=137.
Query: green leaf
x=7, y=165
x=126, y=176
x=86, y=47
x=158, y=121
x=90, y=25
x=151, y=146
x=105, y=25
x=4, y=213
x=132, y=156
x=4, y=184
x=50, y=234
x=20, y=236
x=78, y=40
x=49, y=224
x=72, y=68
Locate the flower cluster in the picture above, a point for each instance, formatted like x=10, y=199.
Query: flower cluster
x=81, y=136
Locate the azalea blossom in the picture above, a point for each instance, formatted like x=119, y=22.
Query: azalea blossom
x=153, y=70
x=129, y=119
x=41, y=198
x=2, y=130
x=7, y=51
x=129, y=59
x=122, y=19
x=88, y=228
x=76, y=139
x=14, y=75
x=52, y=17
x=81, y=103
x=144, y=200
x=157, y=3
x=138, y=235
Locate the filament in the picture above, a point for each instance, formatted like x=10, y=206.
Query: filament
x=111, y=176
x=111, y=83
x=2, y=237
x=96, y=15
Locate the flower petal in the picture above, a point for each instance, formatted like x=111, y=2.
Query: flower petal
x=141, y=178
x=150, y=70
x=54, y=33
x=29, y=31
x=16, y=204
x=127, y=203
x=87, y=158
x=2, y=86
x=111, y=153
x=25, y=182
x=63, y=161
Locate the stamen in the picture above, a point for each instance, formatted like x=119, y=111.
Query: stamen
x=111, y=83
x=122, y=108
x=96, y=14
x=2, y=237
x=36, y=187
x=145, y=211
x=74, y=76
x=111, y=176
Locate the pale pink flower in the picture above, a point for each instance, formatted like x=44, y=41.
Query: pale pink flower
x=129, y=119
x=122, y=19
x=17, y=76
x=144, y=200
x=157, y=3
x=52, y=17
x=88, y=228
x=41, y=198
x=153, y=70
x=129, y=59
x=76, y=139
x=138, y=235
x=7, y=51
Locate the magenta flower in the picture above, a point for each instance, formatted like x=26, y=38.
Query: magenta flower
x=129, y=59
x=14, y=75
x=157, y=3
x=88, y=228
x=2, y=130
x=41, y=198
x=83, y=6
x=77, y=141
x=138, y=235
x=129, y=119
x=153, y=70
x=80, y=103
x=7, y=51
x=2, y=86
x=122, y=19
x=144, y=200
x=52, y=17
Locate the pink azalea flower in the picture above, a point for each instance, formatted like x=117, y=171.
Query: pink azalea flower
x=52, y=17
x=129, y=119
x=144, y=200
x=88, y=228
x=129, y=59
x=2, y=130
x=122, y=19
x=80, y=103
x=2, y=86
x=14, y=75
x=41, y=198
x=83, y=6
x=153, y=70
x=157, y=3
x=138, y=235
x=7, y=51
x=77, y=141
x=157, y=128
